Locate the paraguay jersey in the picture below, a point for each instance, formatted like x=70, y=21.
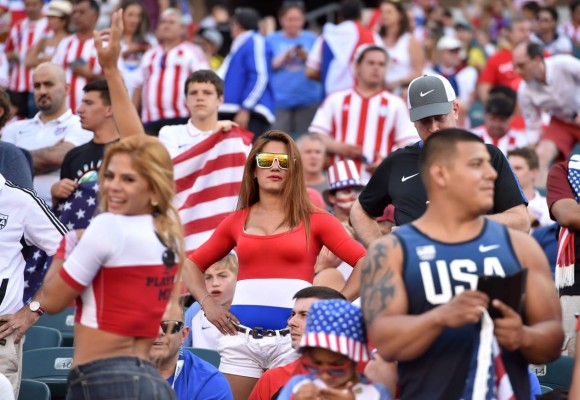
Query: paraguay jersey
x=435, y=272
x=117, y=266
x=272, y=268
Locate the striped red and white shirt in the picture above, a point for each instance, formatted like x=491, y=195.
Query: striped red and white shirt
x=512, y=140
x=69, y=50
x=23, y=35
x=379, y=124
x=163, y=76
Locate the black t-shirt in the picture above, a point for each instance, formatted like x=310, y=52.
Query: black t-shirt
x=83, y=162
x=397, y=181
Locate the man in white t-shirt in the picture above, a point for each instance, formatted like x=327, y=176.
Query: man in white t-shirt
x=22, y=216
x=52, y=132
x=204, y=93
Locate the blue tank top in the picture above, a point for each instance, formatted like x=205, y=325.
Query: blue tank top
x=433, y=273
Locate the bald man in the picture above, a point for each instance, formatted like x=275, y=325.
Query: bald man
x=52, y=132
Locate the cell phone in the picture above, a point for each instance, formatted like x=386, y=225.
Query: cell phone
x=509, y=290
x=77, y=63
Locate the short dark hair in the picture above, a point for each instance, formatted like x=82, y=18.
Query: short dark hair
x=500, y=105
x=504, y=90
x=534, y=50
x=318, y=292
x=203, y=76
x=288, y=5
x=247, y=17
x=574, y=4
x=360, y=55
x=350, y=10
x=5, y=107
x=92, y=4
x=442, y=145
x=527, y=154
x=531, y=6
x=550, y=10
x=100, y=86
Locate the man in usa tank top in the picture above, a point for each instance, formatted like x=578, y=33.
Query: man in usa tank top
x=419, y=284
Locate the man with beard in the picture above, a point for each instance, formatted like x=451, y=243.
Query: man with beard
x=52, y=132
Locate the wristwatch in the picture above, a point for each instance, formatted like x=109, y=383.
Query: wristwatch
x=34, y=306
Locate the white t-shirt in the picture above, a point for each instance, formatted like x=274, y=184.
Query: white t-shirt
x=33, y=134
x=6, y=390
x=22, y=215
x=179, y=138
x=539, y=207
x=204, y=334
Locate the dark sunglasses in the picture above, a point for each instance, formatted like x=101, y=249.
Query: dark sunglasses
x=266, y=160
x=334, y=370
x=171, y=327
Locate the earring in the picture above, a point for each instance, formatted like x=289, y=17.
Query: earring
x=154, y=203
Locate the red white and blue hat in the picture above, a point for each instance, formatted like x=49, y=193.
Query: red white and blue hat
x=338, y=326
x=343, y=174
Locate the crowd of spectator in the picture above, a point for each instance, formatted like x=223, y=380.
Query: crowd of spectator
x=277, y=135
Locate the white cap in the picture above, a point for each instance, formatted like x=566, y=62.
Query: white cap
x=449, y=43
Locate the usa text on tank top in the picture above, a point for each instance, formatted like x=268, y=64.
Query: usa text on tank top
x=434, y=272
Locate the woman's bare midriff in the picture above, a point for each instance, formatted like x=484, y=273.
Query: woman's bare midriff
x=94, y=344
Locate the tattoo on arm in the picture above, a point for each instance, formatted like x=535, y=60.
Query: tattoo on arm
x=377, y=286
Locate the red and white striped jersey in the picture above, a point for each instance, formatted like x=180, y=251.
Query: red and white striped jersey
x=23, y=35
x=70, y=50
x=512, y=140
x=15, y=8
x=163, y=76
x=379, y=124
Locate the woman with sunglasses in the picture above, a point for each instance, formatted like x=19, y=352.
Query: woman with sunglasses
x=331, y=362
x=123, y=269
x=278, y=234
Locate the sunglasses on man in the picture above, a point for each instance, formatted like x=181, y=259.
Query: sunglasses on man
x=171, y=326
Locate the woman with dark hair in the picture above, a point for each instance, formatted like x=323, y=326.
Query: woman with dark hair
x=278, y=234
x=406, y=55
x=136, y=41
x=59, y=15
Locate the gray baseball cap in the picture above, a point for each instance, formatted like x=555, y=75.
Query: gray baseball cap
x=430, y=95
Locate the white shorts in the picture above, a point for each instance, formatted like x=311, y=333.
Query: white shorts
x=243, y=355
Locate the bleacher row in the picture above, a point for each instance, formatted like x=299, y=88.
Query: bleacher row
x=48, y=355
x=49, y=347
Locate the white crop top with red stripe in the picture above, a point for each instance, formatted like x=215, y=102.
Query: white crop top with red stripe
x=118, y=268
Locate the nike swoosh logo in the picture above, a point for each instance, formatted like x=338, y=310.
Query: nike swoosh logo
x=485, y=249
x=205, y=327
x=406, y=178
x=426, y=93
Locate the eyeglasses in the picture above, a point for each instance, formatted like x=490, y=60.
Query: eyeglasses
x=266, y=160
x=171, y=327
x=334, y=370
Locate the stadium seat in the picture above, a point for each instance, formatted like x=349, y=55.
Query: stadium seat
x=64, y=321
x=211, y=356
x=557, y=374
x=33, y=390
x=546, y=389
x=41, y=337
x=50, y=366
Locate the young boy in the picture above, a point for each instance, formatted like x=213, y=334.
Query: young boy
x=220, y=282
x=333, y=342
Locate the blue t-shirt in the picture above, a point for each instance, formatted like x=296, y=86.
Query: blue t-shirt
x=196, y=379
x=291, y=87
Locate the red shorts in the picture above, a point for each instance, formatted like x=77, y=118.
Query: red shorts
x=564, y=135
